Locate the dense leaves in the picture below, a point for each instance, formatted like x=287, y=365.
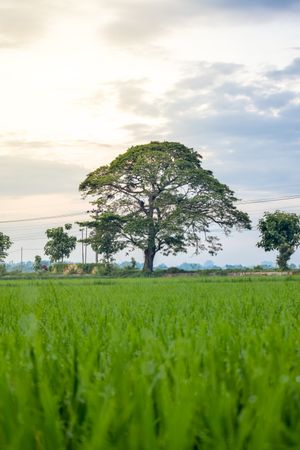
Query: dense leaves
x=5, y=244
x=105, y=235
x=37, y=265
x=165, y=200
x=280, y=231
x=60, y=244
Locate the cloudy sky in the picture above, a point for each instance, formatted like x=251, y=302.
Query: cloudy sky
x=82, y=81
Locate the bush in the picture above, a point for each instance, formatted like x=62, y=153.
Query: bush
x=174, y=270
x=58, y=268
x=104, y=269
x=87, y=267
x=73, y=269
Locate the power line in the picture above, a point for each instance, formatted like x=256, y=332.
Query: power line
x=265, y=200
x=33, y=249
x=33, y=219
x=29, y=239
x=20, y=235
x=246, y=202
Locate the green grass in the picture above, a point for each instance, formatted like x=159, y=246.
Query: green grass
x=173, y=364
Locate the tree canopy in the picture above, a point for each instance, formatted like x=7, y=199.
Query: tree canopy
x=60, y=244
x=280, y=231
x=37, y=264
x=104, y=236
x=5, y=244
x=164, y=199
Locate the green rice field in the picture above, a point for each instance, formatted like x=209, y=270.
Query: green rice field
x=150, y=364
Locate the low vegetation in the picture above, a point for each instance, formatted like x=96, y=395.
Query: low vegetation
x=157, y=364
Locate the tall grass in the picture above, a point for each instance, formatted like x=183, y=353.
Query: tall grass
x=176, y=364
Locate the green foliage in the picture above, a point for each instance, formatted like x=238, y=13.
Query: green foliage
x=151, y=364
x=285, y=253
x=60, y=244
x=133, y=263
x=104, y=237
x=5, y=244
x=163, y=200
x=37, y=264
x=280, y=231
x=87, y=267
x=104, y=269
x=173, y=270
x=2, y=270
x=98, y=269
x=58, y=268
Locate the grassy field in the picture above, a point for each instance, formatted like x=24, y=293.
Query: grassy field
x=173, y=364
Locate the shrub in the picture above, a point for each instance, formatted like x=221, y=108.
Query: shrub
x=73, y=269
x=58, y=268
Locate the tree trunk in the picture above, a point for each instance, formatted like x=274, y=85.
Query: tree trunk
x=150, y=251
x=149, y=255
x=285, y=253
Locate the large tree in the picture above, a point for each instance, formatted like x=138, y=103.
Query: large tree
x=60, y=244
x=5, y=244
x=165, y=199
x=280, y=231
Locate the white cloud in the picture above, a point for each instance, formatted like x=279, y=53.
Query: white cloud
x=22, y=176
x=82, y=81
x=252, y=124
x=134, y=22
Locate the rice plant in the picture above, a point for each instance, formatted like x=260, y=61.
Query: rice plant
x=150, y=364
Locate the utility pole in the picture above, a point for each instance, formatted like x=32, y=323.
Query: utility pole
x=86, y=244
x=96, y=251
x=82, y=246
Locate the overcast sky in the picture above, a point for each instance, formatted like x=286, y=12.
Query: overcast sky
x=82, y=81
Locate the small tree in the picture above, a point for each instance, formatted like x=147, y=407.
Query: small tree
x=60, y=244
x=280, y=231
x=37, y=265
x=5, y=244
x=104, y=237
